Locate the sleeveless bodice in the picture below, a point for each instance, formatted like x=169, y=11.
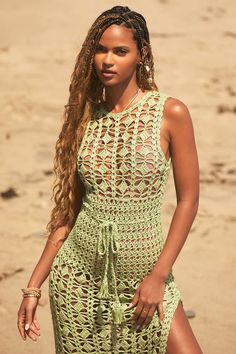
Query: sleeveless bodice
x=121, y=156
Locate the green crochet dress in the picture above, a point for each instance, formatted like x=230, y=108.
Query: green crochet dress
x=117, y=237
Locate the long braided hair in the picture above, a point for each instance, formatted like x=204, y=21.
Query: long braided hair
x=85, y=93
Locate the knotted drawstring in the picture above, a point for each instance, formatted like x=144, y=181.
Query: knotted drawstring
x=107, y=247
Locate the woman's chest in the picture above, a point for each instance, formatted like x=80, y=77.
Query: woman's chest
x=122, y=153
x=122, y=144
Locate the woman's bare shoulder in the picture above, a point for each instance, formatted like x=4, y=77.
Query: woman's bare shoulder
x=176, y=115
x=175, y=109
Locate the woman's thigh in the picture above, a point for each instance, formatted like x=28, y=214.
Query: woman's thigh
x=181, y=339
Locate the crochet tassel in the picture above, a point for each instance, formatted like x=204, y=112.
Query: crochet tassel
x=118, y=313
x=103, y=292
x=100, y=310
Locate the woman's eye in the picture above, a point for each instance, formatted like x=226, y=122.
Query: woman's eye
x=98, y=49
x=121, y=51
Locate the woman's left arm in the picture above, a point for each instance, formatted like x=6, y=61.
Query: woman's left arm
x=186, y=178
x=179, y=132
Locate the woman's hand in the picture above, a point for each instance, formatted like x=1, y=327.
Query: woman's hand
x=148, y=297
x=27, y=323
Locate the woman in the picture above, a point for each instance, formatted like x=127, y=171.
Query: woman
x=111, y=285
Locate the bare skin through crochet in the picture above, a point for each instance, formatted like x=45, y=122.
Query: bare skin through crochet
x=117, y=237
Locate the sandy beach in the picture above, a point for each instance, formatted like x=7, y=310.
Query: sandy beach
x=194, y=45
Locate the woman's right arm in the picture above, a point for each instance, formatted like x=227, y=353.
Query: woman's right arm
x=42, y=269
x=26, y=312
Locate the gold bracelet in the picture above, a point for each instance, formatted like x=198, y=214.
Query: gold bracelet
x=31, y=295
x=31, y=291
x=32, y=288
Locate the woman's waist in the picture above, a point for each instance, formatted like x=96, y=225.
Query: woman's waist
x=122, y=211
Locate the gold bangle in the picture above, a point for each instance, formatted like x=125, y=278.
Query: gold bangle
x=31, y=291
x=30, y=295
x=31, y=288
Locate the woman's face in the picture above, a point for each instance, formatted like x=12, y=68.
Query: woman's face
x=117, y=52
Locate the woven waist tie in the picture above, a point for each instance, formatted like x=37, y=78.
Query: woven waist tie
x=108, y=247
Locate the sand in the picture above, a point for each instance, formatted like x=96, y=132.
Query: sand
x=194, y=48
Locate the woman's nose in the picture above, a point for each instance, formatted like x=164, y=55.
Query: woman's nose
x=108, y=58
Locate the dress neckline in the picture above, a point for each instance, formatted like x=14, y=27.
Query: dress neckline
x=142, y=100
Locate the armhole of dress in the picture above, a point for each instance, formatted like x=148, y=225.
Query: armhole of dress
x=160, y=110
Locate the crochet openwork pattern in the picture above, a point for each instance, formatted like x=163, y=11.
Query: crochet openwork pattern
x=117, y=237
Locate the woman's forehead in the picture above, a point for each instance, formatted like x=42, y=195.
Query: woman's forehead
x=117, y=33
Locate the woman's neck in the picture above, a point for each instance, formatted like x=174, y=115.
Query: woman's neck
x=118, y=101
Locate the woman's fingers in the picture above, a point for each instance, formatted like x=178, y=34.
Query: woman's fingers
x=21, y=323
x=28, y=319
x=142, y=317
x=149, y=312
x=34, y=329
x=32, y=335
x=143, y=314
x=36, y=323
x=30, y=327
x=137, y=312
x=161, y=312
x=31, y=331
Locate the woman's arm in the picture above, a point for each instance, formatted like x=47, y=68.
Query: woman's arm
x=27, y=322
x=179, y=128
x=42, y=269
x=54, y=243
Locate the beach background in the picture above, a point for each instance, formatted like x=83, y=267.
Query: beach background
x=194, y=44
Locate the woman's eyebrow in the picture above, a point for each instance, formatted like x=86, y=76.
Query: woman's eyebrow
x=117, y=47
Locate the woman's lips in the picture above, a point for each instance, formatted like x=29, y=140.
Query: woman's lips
x=107, y=75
